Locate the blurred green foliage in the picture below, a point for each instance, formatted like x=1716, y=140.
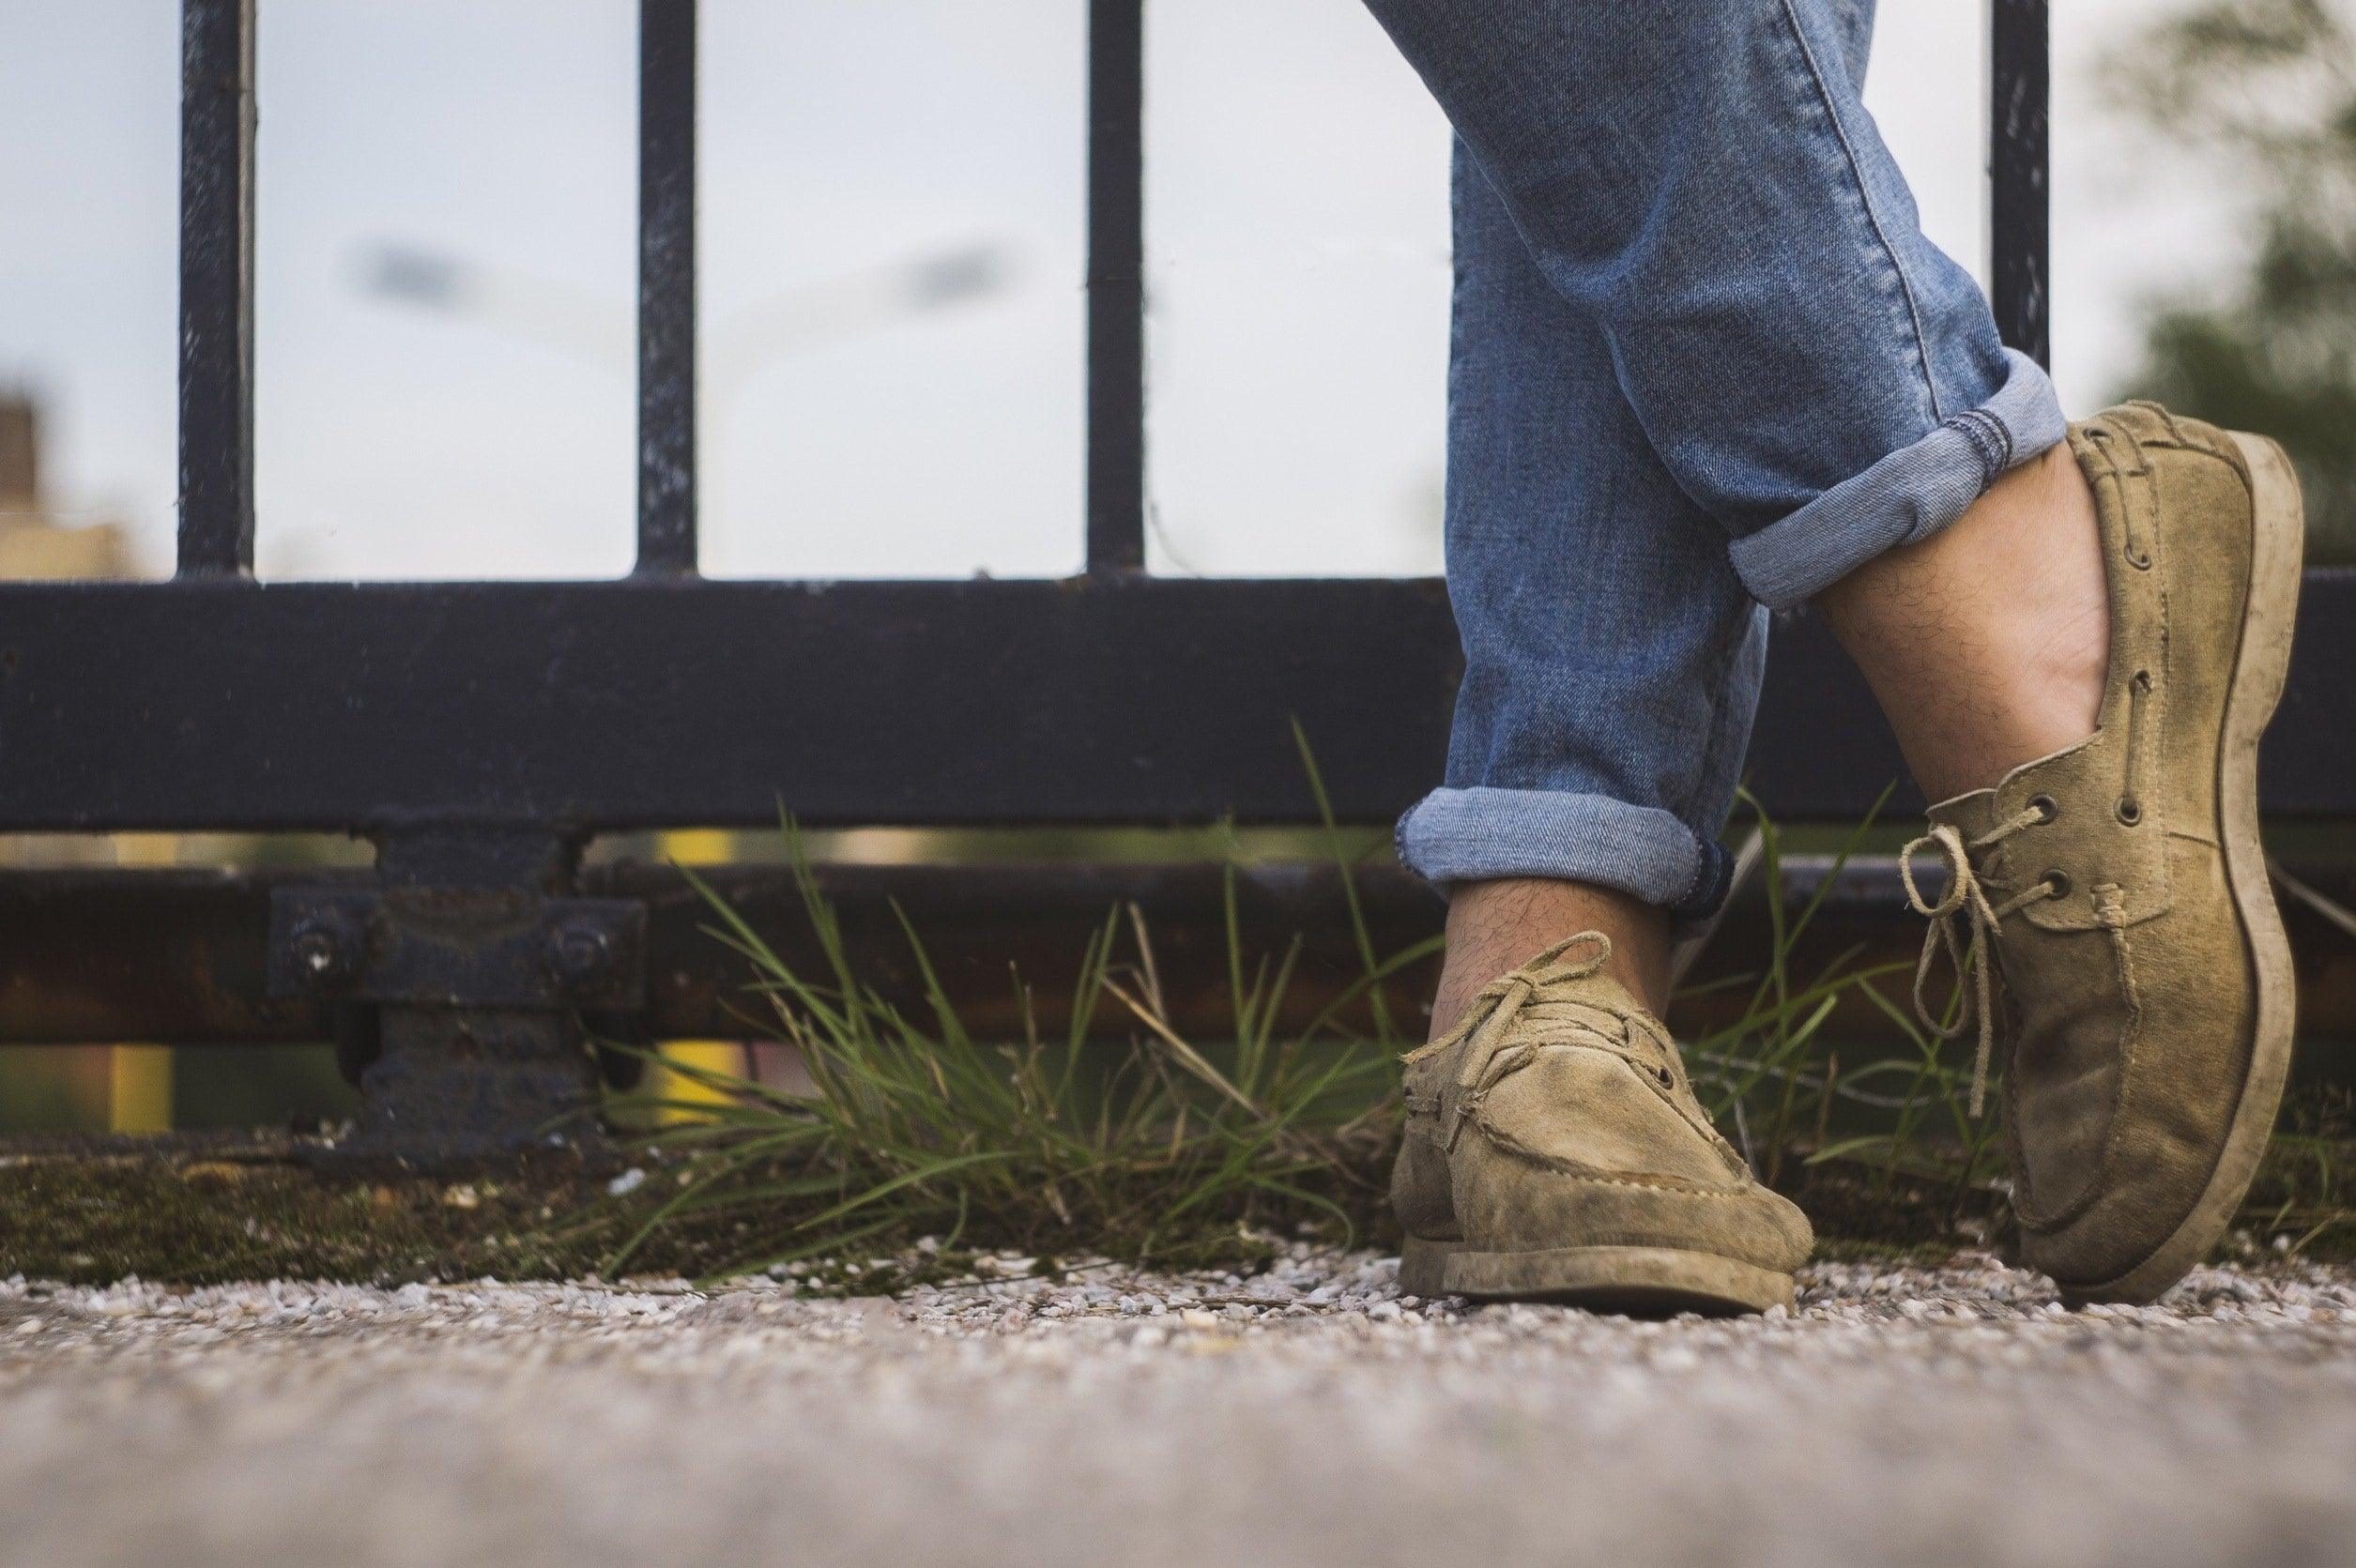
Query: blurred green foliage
x=2258, y=97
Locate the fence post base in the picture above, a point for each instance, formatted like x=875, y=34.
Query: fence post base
x=458, y=981
x=454, y=1087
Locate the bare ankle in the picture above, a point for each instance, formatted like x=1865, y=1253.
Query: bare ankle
x=1494, y=927
x=1987, y=645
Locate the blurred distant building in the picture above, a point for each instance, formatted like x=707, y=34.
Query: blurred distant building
x=37, y=542
x=34, y=542
x=125, y=1088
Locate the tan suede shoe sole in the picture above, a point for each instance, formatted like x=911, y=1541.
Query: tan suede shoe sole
x=1638, y=1282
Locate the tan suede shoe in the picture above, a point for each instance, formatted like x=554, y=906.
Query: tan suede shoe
x=2120, y=887
x=1554, y=1152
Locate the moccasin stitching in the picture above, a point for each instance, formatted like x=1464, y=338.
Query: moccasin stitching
x=1472, y=1107
x=2110, y=909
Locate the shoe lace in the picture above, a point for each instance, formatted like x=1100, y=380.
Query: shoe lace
x=1530, y=994
x=1510, y=992
x=1966, y=908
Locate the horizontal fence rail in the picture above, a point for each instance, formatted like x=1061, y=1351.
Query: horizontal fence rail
x=652, y=703
x=132, y=956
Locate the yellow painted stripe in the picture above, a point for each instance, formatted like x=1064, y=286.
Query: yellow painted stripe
x=139, y=1089
x=713, y=1056
x=139, y=1077
x=693, y=847
x=699, y=846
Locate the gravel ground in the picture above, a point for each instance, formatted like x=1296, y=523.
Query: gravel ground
x=1312, y=1414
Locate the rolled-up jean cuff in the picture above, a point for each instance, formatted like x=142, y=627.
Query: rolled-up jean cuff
x=1482, y=834
x=1906, y=497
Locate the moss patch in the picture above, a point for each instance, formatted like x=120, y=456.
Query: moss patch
x=202, y=1211
x=198, y=1209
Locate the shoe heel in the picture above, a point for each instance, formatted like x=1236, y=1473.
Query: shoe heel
x=1423, y=1266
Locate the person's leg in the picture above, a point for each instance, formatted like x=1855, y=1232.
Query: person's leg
x=1703, y=185
x=1611, y=655
x=1611, y=666
x=1987, y=643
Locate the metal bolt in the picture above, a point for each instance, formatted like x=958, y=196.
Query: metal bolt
x=325, y=952
x=579, y=955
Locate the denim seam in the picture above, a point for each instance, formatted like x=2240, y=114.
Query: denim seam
x=1976, y=432
x=1704, y=867
x=1990, y=437
x=1726, y=727
x=1720, y=711
x=1708, y=850
x=1865, y=200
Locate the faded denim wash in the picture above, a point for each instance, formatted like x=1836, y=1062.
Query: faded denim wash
x=1705, y=364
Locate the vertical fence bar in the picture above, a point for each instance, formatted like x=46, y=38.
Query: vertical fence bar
x=2020, y=233
x=1116, y=285
x=216, y=288
x=667, y=285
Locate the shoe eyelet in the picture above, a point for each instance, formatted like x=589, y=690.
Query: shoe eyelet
x=2129, y=813
x=2046, y=807
x=2057, y=883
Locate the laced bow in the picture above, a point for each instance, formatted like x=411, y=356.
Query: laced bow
x=1543, y=971
x=1524, y=994
x=1532, y=995
x=1965, y=904
x=1509, y=994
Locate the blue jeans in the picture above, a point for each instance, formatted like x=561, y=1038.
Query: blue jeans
x=1705, y=364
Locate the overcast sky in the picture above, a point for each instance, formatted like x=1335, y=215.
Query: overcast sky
x=1298, y=269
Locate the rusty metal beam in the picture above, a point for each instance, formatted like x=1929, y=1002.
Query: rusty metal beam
x=182, y=955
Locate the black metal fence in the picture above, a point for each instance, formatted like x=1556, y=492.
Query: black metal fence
x=481, y=733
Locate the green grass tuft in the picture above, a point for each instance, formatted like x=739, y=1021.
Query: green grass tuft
x=1173, y=1150
x=1194, y=1152
x=1188, y=1151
